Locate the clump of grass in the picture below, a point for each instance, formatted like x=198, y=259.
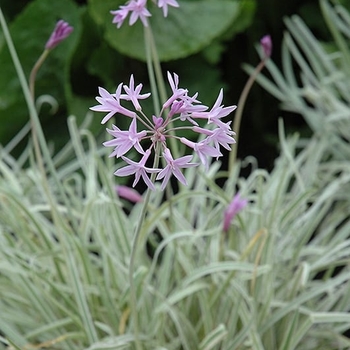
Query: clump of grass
x=278, y=280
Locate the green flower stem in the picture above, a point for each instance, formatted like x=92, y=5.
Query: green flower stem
x=157, y=66
x=36, y=144
x=134, y=249
x=159, y=90
x=34, y=72
x=151, y=74
x=154, y=67
x=239, y=111
x=133, y=297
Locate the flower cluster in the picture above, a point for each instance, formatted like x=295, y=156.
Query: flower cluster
x=159, y=129
x=138, y=10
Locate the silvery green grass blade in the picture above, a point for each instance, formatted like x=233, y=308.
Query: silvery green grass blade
x=334, y=23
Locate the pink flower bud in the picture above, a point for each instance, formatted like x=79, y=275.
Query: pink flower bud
x=266, y=44
x=61, y=32
x=158, y=121
x=128, y=193
x=236, y=205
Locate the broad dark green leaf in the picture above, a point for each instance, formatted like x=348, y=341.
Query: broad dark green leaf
x=186, y=30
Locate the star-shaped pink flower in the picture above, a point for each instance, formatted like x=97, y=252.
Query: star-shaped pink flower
x=219, y=136
x=133, y=94
x=173, y=168
x=177, y=92
x=139, y=169
x=217, y=112
x=203, y=150
x=125, y=139
x=111, y=103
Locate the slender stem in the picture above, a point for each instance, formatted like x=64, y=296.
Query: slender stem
x=133, y=297
x=160, y=82
x=34, y=72
x=239, y=111
x=135, y=243
x=156, y=77
x=36, y=144
x=151, y=74
x=157, y=66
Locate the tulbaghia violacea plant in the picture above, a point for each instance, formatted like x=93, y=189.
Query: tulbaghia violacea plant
x=158, y=130
x=138, y=10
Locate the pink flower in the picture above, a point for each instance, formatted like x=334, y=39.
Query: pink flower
x=61, y=32
x=124, y=140
x=186, y=106
x=236, y=205
x=203, y=150
x=219, y=136
x=173, y=168
x=139, y=169
x=165, y=3
x=111, y=103
x=266, y=44
x=133, y=94
x=120, y=15
x=138, y=11
x=177, y=92
x=217, y=112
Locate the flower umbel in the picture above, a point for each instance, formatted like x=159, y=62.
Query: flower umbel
x=61, y=32
x=138, y=10
x=157, y=131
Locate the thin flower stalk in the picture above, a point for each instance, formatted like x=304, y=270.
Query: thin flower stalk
x=133, y=255
x=266, y=46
